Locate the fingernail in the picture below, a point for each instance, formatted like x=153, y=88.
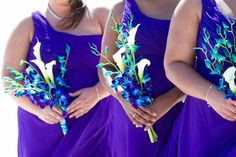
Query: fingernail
x=154, y=114
x=149, y=124
x=136, y=126
x=153, y=119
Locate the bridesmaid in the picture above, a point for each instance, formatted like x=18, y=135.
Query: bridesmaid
x=129, y=141
x=200, y=130
x=64, y=22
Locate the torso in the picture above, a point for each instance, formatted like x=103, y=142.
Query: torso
x=163, y=9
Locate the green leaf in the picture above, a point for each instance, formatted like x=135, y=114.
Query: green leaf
x=226, y=53
x=108, y=73
x=225, y=32
x=19, y=78
x=225, y=26
x=218, y=29
x=203, y=46
x=216, y=48
x=205, y=39
x=218, y=67
x=61, y=59
x=234, y=58
x=220, y=57
x=67, y=49
x=13, y=71
x=106, y=50
x=22, y=62
x=134, y=48
x=118, y=45
x=14, y=86
x=213, y=73
x=218, y=41
x=95, y=53
x=207, y=63
x=229, y=44
x=101, y=65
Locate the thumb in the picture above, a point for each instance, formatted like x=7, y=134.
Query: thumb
x=77, y=93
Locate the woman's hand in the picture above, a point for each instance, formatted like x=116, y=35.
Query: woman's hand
x=226, y=108
x=86, y=99
x=50, y=116
x=139, y=117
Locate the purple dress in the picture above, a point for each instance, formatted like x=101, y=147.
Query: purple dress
x=151, y=36
x=88, y=135
x=200, y=131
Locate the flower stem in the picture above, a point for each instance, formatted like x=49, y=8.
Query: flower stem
x=152, y=135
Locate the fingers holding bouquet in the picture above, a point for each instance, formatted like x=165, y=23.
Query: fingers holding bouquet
x=139, y=116
x=226, y=108
x=50, y=116
x=86, y=99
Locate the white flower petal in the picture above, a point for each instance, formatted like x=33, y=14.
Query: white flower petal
x=141, y=65
x=118, y=58
x=49, y=69
x=132, y=34
x=42, y=68
x=232, y=86
x=36, y=51
x=229, y=74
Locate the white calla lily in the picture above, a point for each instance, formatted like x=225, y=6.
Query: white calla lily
x=141, y=65
x=37, y=50
x=46, y=70
x=229, y=76
x=132, y=34
x=49, y=69
x=118, y=59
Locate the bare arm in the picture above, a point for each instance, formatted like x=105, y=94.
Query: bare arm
x=180, y=56
x=17, y=49
x=109, y=39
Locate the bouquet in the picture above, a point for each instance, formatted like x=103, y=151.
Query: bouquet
x=130, y=77
x=222, y=57
x=39, y=84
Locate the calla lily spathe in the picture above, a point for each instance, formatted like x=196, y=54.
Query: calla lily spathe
x=37, y=50
x=141, y=65
x=47, y=70
x=131, y=37
x=229, y=76
x=118, y=59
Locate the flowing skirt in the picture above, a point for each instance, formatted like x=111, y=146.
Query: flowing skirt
x=200, y=132
x=88, y=136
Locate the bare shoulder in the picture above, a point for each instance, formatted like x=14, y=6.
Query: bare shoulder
x=190, y=6
x=117, y=10
x=100, y=13
x=25, y=28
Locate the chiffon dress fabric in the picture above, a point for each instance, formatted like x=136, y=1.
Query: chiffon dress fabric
x=89, y=135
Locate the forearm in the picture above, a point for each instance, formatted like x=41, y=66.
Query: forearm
x=23, y=101
x=26, y=104
x=106, y=83
x=101, y=91
x=172, y=97
x=188, y=80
